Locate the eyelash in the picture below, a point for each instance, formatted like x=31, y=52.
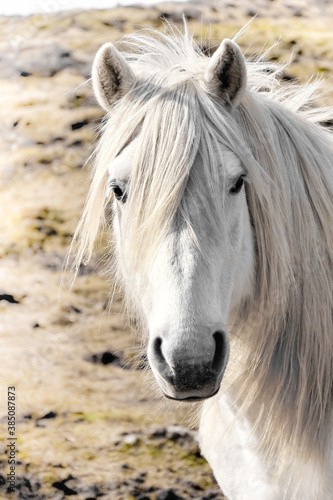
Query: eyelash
x=119, y=192
x=236, y=188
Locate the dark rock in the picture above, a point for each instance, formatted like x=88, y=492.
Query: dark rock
x=78, y=125
x=287, y=77
x=108, y=358
x=74, y=309
x=135, y=492
x=168, y=495
x=8, y=298
x=105, y=358
x=176, y=17
x=76, y=143
x=45, y=161
x=151, y=489
x=194, y=486
x=179, y=433
x=116, y=23
x=25, y=73
x=36, y=325
x=2, y=480
x=126, y=467
x=26, y=490
x=23, y=484
x=159, y=433
x=61, y=485
x=139, y=480
x=50, y=414
x=251, y=13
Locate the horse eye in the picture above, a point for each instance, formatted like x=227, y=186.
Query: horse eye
x=238, y=185
x=119, y=193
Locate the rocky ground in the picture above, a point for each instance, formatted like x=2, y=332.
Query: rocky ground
x=90, y=422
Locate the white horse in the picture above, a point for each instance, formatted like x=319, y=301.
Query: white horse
x=220, y=180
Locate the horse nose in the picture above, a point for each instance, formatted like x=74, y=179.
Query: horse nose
x=190, y=373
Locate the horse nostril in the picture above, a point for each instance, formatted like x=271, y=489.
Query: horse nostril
x=158, y=350
x=160, y=361
x=221, y=351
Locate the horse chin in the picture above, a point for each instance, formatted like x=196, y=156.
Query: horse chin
x=190, y=398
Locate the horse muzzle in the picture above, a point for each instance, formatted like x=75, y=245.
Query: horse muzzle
x=190, y=371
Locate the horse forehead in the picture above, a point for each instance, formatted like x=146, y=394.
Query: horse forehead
x=120, y=167
x=225, y=158
x=230, y=161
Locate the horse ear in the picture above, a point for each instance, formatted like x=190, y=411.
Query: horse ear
x=226, y=73
x=112, y=76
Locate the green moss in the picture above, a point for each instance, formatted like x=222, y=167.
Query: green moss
x=154, y=451
x=194, y=458
x=89, y=416
x=49, y=478
x=22, y=455
x=87, y=455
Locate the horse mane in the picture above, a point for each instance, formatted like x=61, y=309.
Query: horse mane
x=284, y=331
x=282, y=335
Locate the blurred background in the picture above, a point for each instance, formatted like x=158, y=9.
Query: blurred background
x=89, y=420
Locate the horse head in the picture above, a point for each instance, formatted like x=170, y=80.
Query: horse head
x=203, y=264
